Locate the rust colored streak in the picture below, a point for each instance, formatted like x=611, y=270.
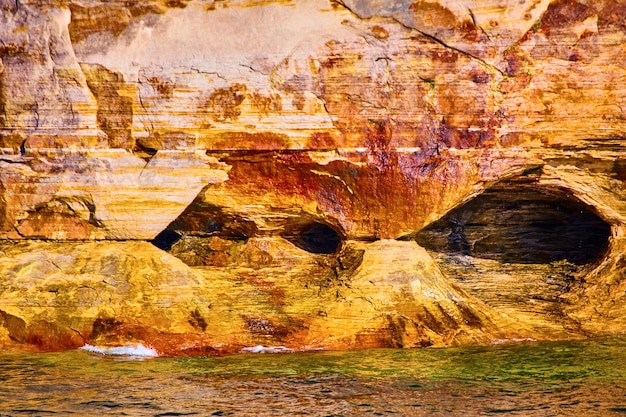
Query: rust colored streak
x=564, y=13
x=223, y=104
x=612, y=13
x=251, y=141
x=380, y=193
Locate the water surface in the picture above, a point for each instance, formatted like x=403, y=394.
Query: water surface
x=583, y=378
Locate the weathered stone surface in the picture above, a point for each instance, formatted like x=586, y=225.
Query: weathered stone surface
x=71, y=195
x=108, y=293
x=318, y=174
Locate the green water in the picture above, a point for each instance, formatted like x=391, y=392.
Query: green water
x=586, y=378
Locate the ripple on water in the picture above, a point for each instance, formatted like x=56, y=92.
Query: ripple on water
x=536, y=379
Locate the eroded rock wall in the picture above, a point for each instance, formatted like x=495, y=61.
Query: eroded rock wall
x=334, y=174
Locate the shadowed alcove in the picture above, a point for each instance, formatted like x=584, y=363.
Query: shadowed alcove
x=314, y=237
x=519, y=222
x=519, y=247
x=205, y=235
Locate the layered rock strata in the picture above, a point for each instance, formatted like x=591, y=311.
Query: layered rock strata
x=202, y=176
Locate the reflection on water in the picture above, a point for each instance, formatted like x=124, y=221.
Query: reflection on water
x=533, y=379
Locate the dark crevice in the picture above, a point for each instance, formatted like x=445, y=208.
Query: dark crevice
x=145, y=153
x=433, y=38
x=517, y=222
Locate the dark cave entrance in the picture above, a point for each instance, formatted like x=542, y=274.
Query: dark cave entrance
x=205, y=235
x=166, y=239
x=528, y=245
x=314, y=237
x=519, y=222
x=204, y=220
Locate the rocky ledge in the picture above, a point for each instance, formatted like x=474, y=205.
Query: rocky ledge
x=206, y=176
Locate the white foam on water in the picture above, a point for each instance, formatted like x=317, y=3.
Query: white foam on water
x=267, y=349
x=512, y=340
x=137, y=350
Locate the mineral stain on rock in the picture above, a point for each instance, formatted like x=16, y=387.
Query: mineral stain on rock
x=197, y=321
x=223, y=104
x=201, y=177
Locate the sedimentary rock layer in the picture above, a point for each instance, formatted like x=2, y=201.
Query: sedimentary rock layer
x=207, y=175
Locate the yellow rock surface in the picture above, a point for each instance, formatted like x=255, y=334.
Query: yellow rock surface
x=112, y=293
x=204, y=176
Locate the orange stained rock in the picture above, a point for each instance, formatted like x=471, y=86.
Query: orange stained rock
x=287, y=156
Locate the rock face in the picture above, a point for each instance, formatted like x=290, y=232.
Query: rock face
x=202, y=176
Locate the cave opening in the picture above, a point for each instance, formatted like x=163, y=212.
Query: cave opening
x=166, y=239
x=517, y=222
x=204, y=235
x=314, y=237
x=204, y=220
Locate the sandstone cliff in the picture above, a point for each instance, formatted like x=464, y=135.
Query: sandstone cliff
x=201, y=176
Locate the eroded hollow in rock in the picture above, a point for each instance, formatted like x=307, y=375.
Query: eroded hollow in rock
x=203, y=220
x=204, y=235
x=314, y=237
x=166, y=239
x=520, y=222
